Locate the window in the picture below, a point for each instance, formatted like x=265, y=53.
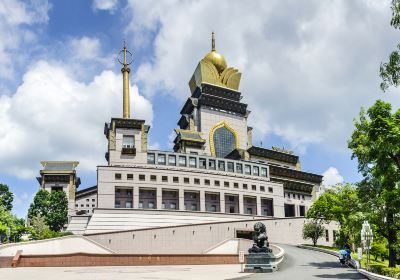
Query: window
x=231, y=209
x=211, y=164
x=161, y=159
x=117, y=204
x=197, y=181
x=221, y=165
x=249, y=211
x=334, y=235
x=153, y=178
x=255, y=170
x=230, y=166
x=171, y=160
x=175, y=179
x=231, y=198
x=82, y=205
x=151, y=205
x=193, y=207
x=202, y=163
x=213, y=208
x=142, y=177
x=186, y=180
x=270, y=189
x=128, y=204
x=129, y=176
x=239, y=168
x=327, y=235
x=93, y=199
x=76, y=205
x=253, y=187
x=164, y=178
x=128, y=141
x=262, y=188
x=87, y=199
x=289, y=210
x=263, y=172
x=172, y=205
x=216, y=183
x=93, y=205
x=298, y=196
x=151, y=158
x=182, y=161
x=206, y=182
x=163, y=205
x=192, y=162
x=302, y=197
x=236, y=185
x=302, y=210
x=224, y=142
x=141, y=204
x=226, y=184
x=247, y=169
x=118, y=176
x=245, y=186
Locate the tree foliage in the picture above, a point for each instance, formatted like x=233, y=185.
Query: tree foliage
x=375, y=143
x=11, y=227
x=390, y=71
x=340, y=203
x=52, y=206
x=313, y=230
x=6, y=197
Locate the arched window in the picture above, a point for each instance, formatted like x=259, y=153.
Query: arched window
x=224, y=141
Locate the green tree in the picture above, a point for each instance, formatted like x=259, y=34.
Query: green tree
x=375, y=143
x=390, y=71
x=340, y=203
x=57, y=216
x=52, y=206
x=313, y=230
x=10, y=224
x=6, y=197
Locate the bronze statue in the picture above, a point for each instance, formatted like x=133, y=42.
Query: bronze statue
x=260, y=238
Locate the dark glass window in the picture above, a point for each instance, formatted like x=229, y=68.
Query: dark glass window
x=151, y=158
x=192, y=162
x=230, y=166
x=202, y=163
x=255, y=170
x=161, y=159
x=263, y=172
x=239, y=168
x=224, y=142
x=182, y=161
x=211, y=164
x=221, y=165
x=171, y=160
x=247, y=169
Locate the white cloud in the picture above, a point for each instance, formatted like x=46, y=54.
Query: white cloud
x=108, y=5
x=307, y=66
x=85, y=48
x=52, y=116
x=331, y=177
x=16, y=20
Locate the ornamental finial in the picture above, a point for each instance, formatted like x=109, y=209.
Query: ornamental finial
x=212, y=42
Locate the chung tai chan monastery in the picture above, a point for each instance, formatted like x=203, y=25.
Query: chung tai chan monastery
x=209, y=190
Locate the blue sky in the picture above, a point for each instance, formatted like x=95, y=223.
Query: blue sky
x=308, y=67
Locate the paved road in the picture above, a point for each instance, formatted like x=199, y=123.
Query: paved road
x=302, y=264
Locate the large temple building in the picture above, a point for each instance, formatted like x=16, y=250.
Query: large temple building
x=213, y=178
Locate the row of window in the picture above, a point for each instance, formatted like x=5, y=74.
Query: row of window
x=205, y=163
x=83, y=205
x=294, y=196
x=196, y=181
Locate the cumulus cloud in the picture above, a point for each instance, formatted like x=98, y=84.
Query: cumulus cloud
x=16, y=20
x=52, y=116
x=107, y=5
x=307, y=66
x=331, y=177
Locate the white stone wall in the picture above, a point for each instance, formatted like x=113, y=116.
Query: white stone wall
x=195, y=239
x=115, y=156
x=107, y=184
x=209, y=118
x=86, y=203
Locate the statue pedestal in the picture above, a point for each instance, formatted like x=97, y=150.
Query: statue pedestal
x=260, y=262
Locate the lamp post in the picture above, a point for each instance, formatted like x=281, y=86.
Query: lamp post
x=367, y=238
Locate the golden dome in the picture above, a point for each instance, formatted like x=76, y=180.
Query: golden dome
x=218, y=60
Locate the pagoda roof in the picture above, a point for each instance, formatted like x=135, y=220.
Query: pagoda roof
x=272, y=154
x=294, y=174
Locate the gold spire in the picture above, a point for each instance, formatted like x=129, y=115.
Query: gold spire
x=212, y=42
x=215, y=58
x=125, y=81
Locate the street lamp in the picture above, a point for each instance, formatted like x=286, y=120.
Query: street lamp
x=367, y=238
